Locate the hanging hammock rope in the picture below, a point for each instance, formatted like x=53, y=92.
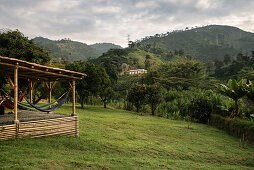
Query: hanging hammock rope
x=63, y=99
x=9, y=102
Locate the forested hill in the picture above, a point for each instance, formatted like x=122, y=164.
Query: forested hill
x=104, y=47
x=72, y=50
x=205, y=43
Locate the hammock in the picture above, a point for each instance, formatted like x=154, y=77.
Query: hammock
x=25, y=106
x=9, y=103
x=61, y=102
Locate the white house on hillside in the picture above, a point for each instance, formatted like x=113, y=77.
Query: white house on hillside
x=137, y=71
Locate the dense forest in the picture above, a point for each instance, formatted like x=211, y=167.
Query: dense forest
x=177, y=84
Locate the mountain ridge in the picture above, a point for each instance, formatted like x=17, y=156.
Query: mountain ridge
x=73, y=50
x=205, y=43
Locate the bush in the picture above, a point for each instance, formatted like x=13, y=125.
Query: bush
x=168, y=109
x=199, y=104
x=235, y=127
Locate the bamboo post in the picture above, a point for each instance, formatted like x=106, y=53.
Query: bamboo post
x=16, y=95
x=73, y=98
x=31, y=90
x=50, y=90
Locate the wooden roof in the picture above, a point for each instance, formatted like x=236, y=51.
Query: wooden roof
x=27, y=70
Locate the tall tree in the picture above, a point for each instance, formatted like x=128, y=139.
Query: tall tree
x=96, y=80
x=153, y=96
x=111, y=70
x=15, y=45
x=137, y=96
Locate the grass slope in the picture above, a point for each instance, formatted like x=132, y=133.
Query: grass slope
x=117, y=139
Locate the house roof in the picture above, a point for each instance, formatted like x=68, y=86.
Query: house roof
x=28, y=70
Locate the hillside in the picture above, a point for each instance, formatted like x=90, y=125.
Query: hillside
x=133, y=57
x=118, y=139
x=205, y=43
x=65, y=48
x=73, y=50
x=104, y=47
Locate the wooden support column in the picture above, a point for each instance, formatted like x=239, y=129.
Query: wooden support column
x=73, y=98
x=16, y=95
x=31, y=90
x=50, y=92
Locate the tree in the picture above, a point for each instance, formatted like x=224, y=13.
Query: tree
x=15, y=45
x=235, y=90
x=131, y=44
x=153, y=96
x=137, y=95
x=111, y=70
x=250, y=90
x=181, y=74
x=125, y=67
x=93, y=84
x=227, y=59
x=148, y=62
x=104, y=86
x=246, y=73
x=218, y=64
x=181, y=52
x=106, y=95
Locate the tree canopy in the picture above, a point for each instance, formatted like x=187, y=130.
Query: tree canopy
x=15, y=45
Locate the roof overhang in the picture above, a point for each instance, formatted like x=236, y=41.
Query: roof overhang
x=33, y=71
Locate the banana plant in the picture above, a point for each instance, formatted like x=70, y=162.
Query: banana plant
x=234, y=90
x=250, y=90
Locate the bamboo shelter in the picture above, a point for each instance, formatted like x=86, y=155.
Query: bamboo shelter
x=32, y=123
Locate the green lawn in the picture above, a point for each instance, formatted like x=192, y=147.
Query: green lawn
x=117, y=139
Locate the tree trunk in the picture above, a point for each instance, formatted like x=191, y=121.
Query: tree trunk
x=82, y=105
x=236, y=111
x=236, y=108
x=137, y=109
x=105, y=104
x=153, y=110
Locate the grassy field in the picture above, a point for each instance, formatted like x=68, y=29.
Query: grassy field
x=117, y=139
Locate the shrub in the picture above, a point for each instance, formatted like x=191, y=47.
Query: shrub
x=199, y=104
x=200, y=109
x=235, y=127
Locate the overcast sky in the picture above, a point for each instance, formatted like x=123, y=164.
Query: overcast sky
x=92, y=21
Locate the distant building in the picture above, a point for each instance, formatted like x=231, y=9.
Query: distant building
x=137, y=71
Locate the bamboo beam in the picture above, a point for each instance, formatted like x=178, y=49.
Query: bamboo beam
x=45, y=72
x=50, y=91
x=10, y=81
x=16, y=94
x=73, y=98
x=31, y=90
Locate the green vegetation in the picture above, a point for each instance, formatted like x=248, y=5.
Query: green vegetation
x=205, y=43
x=235, y=90
x=104, y=47
x=175, y=87
x=67, y=49
x=15, y=45
x=117, y=139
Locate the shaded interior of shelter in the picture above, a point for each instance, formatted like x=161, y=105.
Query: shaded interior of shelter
x=25, y=116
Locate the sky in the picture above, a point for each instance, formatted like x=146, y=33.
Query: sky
x=98, y=21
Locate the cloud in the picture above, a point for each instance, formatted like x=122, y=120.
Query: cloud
x=92, y=21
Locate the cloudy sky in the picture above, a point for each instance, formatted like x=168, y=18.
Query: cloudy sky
x=92, y=21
